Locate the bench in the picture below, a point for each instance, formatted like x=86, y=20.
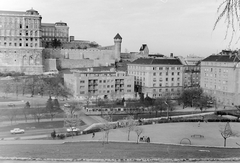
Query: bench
x=197, y=135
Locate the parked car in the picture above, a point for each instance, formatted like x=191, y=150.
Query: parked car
x=17, y=131
x=73, y=129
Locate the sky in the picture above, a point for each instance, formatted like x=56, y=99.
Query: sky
x=181, y=27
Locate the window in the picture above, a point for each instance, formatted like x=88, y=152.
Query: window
x=128, y=90
x=172, y=79
x=104, y=81
x=160, y=84
x=160, y=74
x=154, y=80
x=160, y=68
x=128, y=85
x=172, y=73
x=160, y=90
x=166, y=79
x=166, y=73
x=100, y=81
x=178, y=73
x=154, y=74
x=82, y=81
x=82, y=92
x=108, y=86
x=154, y=68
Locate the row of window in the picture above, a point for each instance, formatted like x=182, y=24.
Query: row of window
x=16, y=39
x=106, y=91
x=20, y=44
x=155, y=68
x=166, y=84
x=170, y=94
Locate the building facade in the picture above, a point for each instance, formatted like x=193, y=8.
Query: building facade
x=20, y=42
x=51, y=31
x=157, y=78
x=98, y=83
x=191, y=71
x=220, y=77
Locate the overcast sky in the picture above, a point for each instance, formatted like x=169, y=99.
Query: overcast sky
x=181, y=27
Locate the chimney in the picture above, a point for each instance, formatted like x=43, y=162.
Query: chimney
x=171, y=55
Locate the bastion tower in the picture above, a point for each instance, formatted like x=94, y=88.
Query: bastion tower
x=117, y=44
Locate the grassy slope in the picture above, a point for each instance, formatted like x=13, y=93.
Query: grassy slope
x=96, y=150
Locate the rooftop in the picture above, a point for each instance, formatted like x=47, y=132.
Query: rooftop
x=153, y=61
x=118, y=36
x=222, y=58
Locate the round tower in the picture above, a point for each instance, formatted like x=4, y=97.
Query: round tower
x=117, y=44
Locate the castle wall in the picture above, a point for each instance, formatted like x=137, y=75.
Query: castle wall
x=24, y=60
x=50, y=64
x=92, y=53
x=75, y=63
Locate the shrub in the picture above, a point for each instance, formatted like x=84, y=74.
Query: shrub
x=61, y=136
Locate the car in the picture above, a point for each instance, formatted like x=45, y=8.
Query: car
x=73, y=129
x=17, y=131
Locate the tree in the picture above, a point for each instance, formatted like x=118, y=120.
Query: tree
x=130, y=124
x=11, y=113
x=52, y=107
x=56, y=43
x=227, y=132
x=26, y=110
x=7, y=88
x=229, y=11
x=38, y=112
x=202, y=102
x=106, y=127
x=17, y=83
x=138, y=131
x=73, y=113
x=159, y=105
x=190, y=96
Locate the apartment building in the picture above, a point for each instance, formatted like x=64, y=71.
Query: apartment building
x=157, y=78
x=100, y=82
x=191, y=71
x=20, y=42
x=220, y=77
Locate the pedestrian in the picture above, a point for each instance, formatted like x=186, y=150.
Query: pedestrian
x=198, y=123
x=93, y=134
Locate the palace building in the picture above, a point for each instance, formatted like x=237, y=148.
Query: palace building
x=20, y=42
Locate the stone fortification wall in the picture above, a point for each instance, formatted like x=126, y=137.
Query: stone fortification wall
x=26, y=60
x=92, y=53
x=50, y=64
x=74, y=63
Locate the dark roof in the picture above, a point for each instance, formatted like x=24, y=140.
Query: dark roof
x=222, y=58
x=143, y=47
x=153, y=61
x=117, y=36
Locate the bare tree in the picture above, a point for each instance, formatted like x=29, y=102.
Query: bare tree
x=138, y=131
x=227, y=132
x=11, y=113
x=38, y=112
x=106, y=127
x=229, y=11
x=130, y=124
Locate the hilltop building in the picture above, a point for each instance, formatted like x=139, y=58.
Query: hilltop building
x=100, y=82
x=220, y=77
x=20, y=42
x=157, y=78
x=77, y=58
x=51, y=31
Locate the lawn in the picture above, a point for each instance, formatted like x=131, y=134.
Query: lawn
x=96, y=150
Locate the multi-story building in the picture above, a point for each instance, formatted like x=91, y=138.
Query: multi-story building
x=97, y=82
x=157, y=78
x=51, y=31
x=20, y=42
x=191, y=71
x=220, y=77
